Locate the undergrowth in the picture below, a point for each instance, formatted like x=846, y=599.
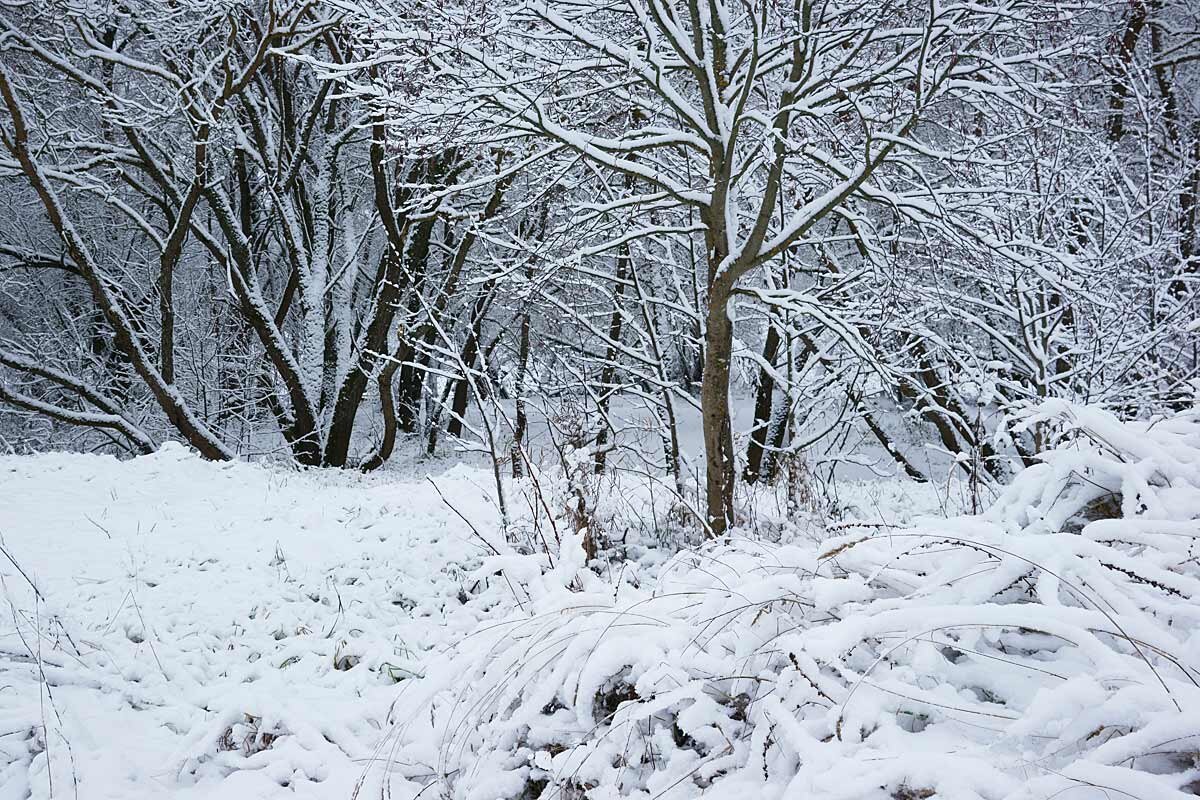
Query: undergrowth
x=1046, y=646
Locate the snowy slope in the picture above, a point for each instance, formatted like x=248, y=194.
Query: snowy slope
x=215, y=630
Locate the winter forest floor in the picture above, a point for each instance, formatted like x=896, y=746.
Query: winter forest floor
x=184, y=606
x=177, y=628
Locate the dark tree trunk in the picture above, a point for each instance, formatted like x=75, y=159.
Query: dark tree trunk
x=763, y=407
x=462, y=387
x=714, y=404
x=522, y=420
x=391, y=280
x=608, y=373
x=1121, y=72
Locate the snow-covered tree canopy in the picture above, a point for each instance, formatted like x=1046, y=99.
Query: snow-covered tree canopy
x=319, y=229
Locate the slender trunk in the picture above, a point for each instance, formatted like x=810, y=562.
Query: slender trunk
x=1189, y=211
x=1165, y=78
x=608, y=373
x=1122, y=71
x=390, y=284
x=714, y=408
x=778, y=432
x=462, y=387
x=670, y=442
x=349, y=397
x=458, y=405
x=408, y=396
x=399, y=410
x=408, y=393
x=166, y=320
x=763, y=407
x=781, y=418
x=522, y=421
x=172, y=250
x=313, y=325
x=436, y=421
x=669, y=431
x=412, y=361
x=387, y=407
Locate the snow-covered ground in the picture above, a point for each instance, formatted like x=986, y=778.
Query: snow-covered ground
x=177, y=628
x=216, y=630
x=237, y=630
x=1045, y=649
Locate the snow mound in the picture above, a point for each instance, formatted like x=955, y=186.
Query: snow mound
x=1046, y=648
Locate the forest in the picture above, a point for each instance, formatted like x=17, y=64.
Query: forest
x=597, y=399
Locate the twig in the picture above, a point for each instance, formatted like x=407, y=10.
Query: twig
x=37, y=592
x=474, y=530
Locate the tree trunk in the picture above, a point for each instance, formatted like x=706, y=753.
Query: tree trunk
x=1122, y=71
x=391, y=280
x=341, y=428
x=714, y=408
x=763, y=407
x=462, y=387
x=608, y=373
x=522, y=421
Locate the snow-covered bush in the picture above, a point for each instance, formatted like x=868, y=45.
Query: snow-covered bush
x=1049, y=647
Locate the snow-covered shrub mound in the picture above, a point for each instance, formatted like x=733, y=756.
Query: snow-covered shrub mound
x=1047, y=648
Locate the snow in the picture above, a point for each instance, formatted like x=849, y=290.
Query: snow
x=194, y=610
x=194, y=619
x=1028, y=652
x=235, y=630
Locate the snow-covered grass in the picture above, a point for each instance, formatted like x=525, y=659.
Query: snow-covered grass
x=238, y=630
x=1047, y=648
x=216, y=630
x=185, y=629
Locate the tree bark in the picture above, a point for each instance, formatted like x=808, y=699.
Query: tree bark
x=462, y=387
x=390, y=283
x=608, y=373
x=714, y=409
x=522, y=419
x=1120, y=85
x=763, y=407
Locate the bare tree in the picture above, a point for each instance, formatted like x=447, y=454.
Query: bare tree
x=219, y=175
x=764, y=121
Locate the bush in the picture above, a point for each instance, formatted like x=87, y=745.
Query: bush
x=1048, y=644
